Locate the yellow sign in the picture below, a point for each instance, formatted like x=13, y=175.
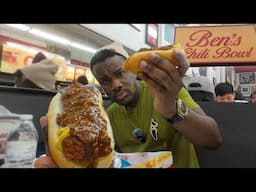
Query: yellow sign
x=14, y=58
x=70, y=73
x=218, y=44
x=62, y=64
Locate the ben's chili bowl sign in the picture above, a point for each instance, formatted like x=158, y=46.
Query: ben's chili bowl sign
x=218, y=44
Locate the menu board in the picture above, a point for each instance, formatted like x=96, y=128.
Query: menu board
x=70, y=73
x=61, y=62
x=90, y=77
x=14, y=58
x=79, y=72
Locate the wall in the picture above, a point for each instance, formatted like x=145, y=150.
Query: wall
x=63, y=30
x=126, y=34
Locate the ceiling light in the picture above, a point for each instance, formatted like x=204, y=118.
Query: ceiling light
x=83, y=47
x=22, y=47
x=19, y=26
x=49, y=36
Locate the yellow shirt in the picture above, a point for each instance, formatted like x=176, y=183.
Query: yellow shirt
x=159, y=134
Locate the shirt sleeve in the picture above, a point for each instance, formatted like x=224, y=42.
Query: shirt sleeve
x=187, y=99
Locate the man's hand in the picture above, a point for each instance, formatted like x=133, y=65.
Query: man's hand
x=45, y=161
x=165, y=80
x=44, y=126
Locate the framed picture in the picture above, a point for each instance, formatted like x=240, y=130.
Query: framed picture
x=246, y=90
x=152, y=34
x=247, y=78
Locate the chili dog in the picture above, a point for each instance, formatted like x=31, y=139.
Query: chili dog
x=132, y=63
x=79, y=131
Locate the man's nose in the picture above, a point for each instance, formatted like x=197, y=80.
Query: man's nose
x=116, y=84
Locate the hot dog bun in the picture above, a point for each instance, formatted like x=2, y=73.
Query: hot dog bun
x=92, y=131
x=132, y=63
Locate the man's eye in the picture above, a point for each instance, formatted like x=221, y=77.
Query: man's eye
x=105, y=81
x=120, y=74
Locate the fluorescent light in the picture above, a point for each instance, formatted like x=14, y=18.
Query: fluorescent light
x=52, y=37
x=49, y=36
x=22, y=47
x=19, y=26
x=83, y=47
x=53, y=55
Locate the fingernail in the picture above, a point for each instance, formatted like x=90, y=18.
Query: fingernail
x=143, y=64
x=152, y=56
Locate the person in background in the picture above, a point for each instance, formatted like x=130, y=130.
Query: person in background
x=38, y=57
x=159, y=106
x=82, y=79
x=200, y=88
x=39, y=75
x=224, y=92
x=253, y=97
x=239, y=95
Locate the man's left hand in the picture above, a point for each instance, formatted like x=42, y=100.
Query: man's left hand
x=165, y=80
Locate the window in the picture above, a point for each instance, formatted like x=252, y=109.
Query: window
x=168, y=34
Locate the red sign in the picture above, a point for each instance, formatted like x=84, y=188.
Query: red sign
x=152, y=35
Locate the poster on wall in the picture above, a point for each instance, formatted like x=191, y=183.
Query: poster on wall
x=70, y=73
x=246, y=90
x=62, y=64
x=247, y=78
x=79, y=72
x=152, y=34
x=14, y=58
x=90, y=77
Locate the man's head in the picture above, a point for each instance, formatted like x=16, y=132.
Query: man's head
x=253, y=97
x=40, y=75
x=107, y=67
x=82, y=79
x=224, y=92
x=38, y=57
x=200, y=88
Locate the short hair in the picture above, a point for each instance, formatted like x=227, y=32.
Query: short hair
x=102, y=55
x=223, y=88
x=82, y=79
x=202, y=95
x=38, y=57
x=253, y=93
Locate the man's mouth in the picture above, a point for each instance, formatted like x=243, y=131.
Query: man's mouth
x=121, y=96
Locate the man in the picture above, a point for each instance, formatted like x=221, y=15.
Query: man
x=82, y=79
x=151, y=107
x=200, y=88
x=38, y=75
x=253, y=97
x=224, y=92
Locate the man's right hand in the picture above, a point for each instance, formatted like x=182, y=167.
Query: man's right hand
x=45, y=161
